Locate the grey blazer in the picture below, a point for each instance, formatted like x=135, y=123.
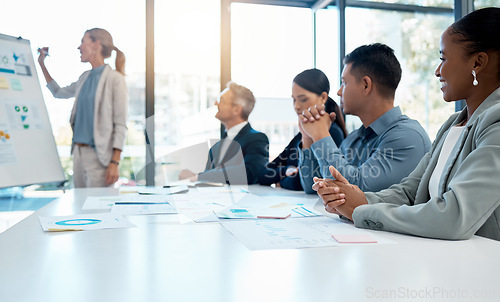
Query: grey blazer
x=110, y=113
x=468, y=199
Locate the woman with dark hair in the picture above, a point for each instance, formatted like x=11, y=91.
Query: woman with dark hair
x=309, y=88
x=453, y=192
x=99, y=114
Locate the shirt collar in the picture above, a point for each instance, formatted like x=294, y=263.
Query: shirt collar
x=233, y=131
x=386, y=120
x=98, y=70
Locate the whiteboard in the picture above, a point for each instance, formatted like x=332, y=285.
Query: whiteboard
x=28, y=153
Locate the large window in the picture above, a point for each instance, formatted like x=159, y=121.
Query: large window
x=486, y=3
x=270, y=45
x=327, y=46
x=60, y=26
x=187, y=78
x=435, y=3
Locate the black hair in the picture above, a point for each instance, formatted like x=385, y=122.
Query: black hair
x=314, y=80
x=378, y=62
x=479, y=30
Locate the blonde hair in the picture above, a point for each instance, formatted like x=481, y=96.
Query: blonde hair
x=243, y=97
x=103, y=36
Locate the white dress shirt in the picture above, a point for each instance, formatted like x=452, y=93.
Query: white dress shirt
x=449, y=143
x=231, y=134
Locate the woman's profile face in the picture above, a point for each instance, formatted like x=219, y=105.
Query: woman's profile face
x=455, y=70
x=303, y=99
x=87, y=48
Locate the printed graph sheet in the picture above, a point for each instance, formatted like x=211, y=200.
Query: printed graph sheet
x=293, y=233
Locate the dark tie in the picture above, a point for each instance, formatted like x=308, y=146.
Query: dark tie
x=221, y=152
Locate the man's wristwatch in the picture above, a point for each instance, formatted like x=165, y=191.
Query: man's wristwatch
x=115, y=162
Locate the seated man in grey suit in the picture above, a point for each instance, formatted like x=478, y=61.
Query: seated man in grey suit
x=243, y=151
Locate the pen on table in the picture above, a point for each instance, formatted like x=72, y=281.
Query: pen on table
x=63, y=230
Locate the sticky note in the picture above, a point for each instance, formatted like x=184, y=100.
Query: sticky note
x=354, y=238
x=3, y=83
x=16, y=84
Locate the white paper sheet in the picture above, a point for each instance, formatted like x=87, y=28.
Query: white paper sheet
x=245, y=213
x=143, y=209
x=202, y=202
x=276, y=201
x=106, y=202
x=200, y=210
x=254, y=204
x=163, y=191
x=84, y=222
x=264, y=234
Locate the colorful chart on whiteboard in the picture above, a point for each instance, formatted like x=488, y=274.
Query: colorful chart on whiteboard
x=28, y=152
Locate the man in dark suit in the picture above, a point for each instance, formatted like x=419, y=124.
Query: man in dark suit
x=243, y=151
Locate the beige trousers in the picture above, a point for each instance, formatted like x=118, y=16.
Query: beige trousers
x=87, y=169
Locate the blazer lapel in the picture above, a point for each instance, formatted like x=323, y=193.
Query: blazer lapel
x=450, y=163
x=235, y=145
x=232, y=149
x=213, y=155
x=434, y=159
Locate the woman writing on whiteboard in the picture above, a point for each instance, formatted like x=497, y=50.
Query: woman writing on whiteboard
x=99, y=114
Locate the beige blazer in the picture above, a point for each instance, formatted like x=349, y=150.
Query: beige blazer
x=468, y=199
x=110, y=115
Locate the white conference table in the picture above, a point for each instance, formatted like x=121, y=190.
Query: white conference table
x=165, y=260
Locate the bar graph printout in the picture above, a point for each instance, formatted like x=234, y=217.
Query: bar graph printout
x=264, y=234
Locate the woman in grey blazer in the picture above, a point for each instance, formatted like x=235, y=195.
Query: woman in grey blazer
x=99, y=114
x=453, y=192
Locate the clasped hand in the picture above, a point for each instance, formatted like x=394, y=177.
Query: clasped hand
x=315, y=122
x=339, y=196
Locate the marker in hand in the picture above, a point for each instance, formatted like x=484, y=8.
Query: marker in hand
x=44, y=50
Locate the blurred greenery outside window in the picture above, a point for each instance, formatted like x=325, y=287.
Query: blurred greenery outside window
x=486, y=3
x=431, y=3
